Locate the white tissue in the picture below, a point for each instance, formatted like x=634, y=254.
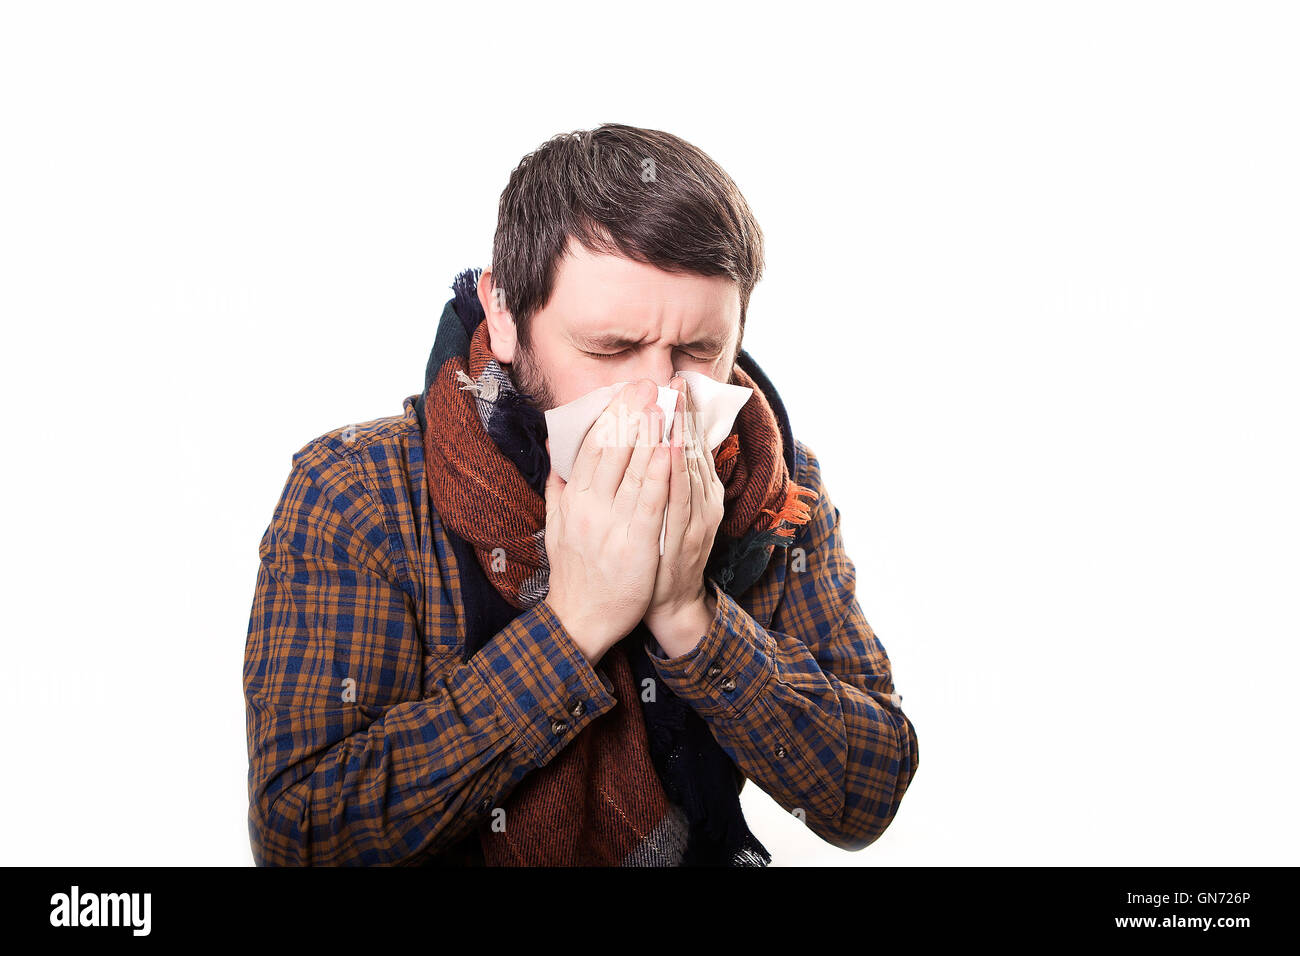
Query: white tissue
x=716, y=406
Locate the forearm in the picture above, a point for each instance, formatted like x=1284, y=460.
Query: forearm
x=365, y=784
x=383, y=794
x=838, y=749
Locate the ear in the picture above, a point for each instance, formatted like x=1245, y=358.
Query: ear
x=501, y=324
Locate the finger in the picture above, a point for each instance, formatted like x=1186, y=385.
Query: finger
x=593, y=445
x=554, y=488
x=679, y=481
x=584, y=465
x=681, y=411
x=697, y=481
x=690, y=438
x=706, y=487
x=703, y=458
x=648, y=517
x=617, y=432
x=649, y=437
x=713, y=486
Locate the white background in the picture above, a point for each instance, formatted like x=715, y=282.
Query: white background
x=1031, y=296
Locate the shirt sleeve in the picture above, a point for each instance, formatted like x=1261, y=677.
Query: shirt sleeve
x=806, y=707
x=356, y=755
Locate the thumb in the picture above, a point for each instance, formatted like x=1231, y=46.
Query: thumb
x=554, y=485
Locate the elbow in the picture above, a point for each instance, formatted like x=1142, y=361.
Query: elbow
x=872, y=800
x=862, y=824
x=259, y=838
x=864, y=827
x=279, y=831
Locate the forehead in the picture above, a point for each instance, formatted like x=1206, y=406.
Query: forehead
x=598, y=292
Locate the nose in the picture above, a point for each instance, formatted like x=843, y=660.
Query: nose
x=657, y=366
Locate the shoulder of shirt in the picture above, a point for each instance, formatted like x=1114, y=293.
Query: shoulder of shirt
x=356, y=443
x=362, y=469
x=825, y=515
x=362, y=474
x=807, y=467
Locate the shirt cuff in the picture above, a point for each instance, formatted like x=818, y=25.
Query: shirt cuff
x=728, y=669
x=542, y=683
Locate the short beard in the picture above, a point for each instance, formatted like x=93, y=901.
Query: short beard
x=529, y=380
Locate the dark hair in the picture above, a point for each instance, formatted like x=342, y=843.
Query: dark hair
x=642, y=194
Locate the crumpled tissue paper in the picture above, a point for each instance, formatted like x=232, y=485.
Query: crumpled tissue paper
x=716, y=405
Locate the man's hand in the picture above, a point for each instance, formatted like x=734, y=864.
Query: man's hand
x=603, y=524
x=681, y=608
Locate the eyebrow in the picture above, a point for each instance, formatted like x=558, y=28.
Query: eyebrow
x=615, y=341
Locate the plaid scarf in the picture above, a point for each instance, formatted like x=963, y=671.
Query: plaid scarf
x=646, y=784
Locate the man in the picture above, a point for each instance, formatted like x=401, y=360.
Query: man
x=456, y=657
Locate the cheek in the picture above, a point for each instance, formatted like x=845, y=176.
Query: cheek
x=716, y=369
x=574, y=381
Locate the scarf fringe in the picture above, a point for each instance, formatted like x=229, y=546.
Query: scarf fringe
x=752, y=857
x=728, y=450
x=792, y=511
x=488, y=389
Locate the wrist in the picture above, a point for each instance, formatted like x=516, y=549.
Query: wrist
x=678, y=631
x=586, y=638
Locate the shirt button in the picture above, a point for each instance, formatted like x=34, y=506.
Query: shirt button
x=485, y=805
x=559, y=727
x=715, y=670
x=577, y=708
x=728, y=685
x=780, y=751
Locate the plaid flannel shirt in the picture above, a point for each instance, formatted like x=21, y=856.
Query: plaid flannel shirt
x=371, y=741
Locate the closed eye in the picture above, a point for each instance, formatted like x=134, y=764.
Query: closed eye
x=605, y=355
x=609, y=355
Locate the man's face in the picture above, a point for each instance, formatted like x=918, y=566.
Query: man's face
x=611, y=320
